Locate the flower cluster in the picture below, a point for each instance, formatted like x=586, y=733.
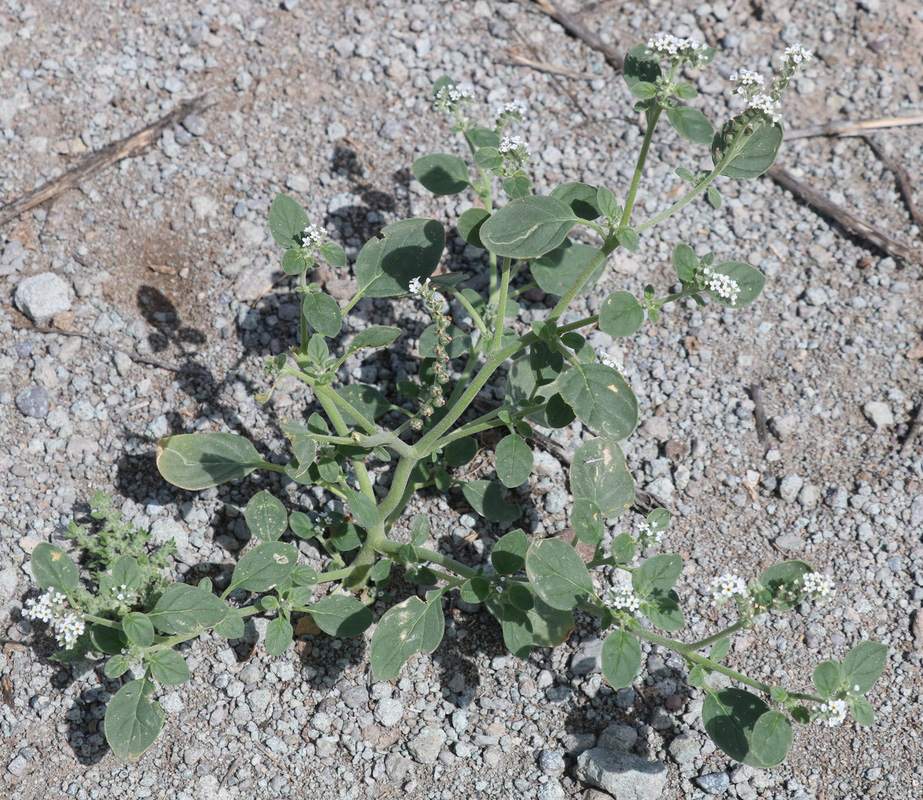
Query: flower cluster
x=621, y=599
x=449, y=98
x=515, y=151
x=747, y=82
x=313, y=235
x=666, y=44
x=831, y=713
x=416, y=287
x=513, y=110
x=721, y=284
x=647, y=536
x=49, y=608
x=818, y=585
x=767, y=105
x=725, y=587
x=797, y=56
x=434, y=397
x=612, y=362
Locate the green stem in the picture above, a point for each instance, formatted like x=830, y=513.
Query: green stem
x=389, y=548
x=608, y=246
x=715, y=637
x=652, y=118
x=466, y=304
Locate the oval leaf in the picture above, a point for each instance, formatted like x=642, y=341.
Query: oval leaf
x=133, y=720
x=620, y=314
x=621, y=658
x=599, y=475
x=685, y=262
x=139, y=629
x=558, y=574
x=601, y=398
x=729, y=716
x=403, y=631
x=758, y=153
x=263, y=568
x=52, y=568
x=770, y=740
x=828, y=678
x=864, y=664
x=691, y=124
x=168, y=667
x=409, y=249
x=469, y=226
x=442, y=173
x=581, y=197
x=657, y=574
x=750, y=280
x=201, y=460
x=517, y=631
x=529, y=227
x=374, y=336
x=266, y=517
x=287, y=221
x=486, y=498
x=339, y=615
x=513, y=461
x=555, y=272
x=184, y=609
x=322, y=313
x=279, y=635
x=509, y=553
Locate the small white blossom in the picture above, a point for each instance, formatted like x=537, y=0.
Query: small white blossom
x=418, y=287
x=612, y=362
x=726, y=587
x=515, y=109
x=313, y=235
x=818, y=585
x=765, y=103
x=833, y=712
x=724, y=286
x=621, y=599
x=648, y=535
x=747, y=81
x=666, y=44
x=856, y=688
x=797, y=55
x=513, y=145
x=49, y=608
x=663, y=43
x=449, y=96
x=69, y=630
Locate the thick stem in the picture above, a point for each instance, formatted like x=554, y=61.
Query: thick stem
x=639, y=167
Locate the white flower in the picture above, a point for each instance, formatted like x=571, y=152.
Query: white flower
x=724, y=286
x=514, y=145
x=818, y=585
x=764, y=103
x=663, y=43
x=449, y=96
x=647, y=535
x=747, y=80
x=726, y=586
x=416, y=287
x=313, y=235
x=514, y=108
x=69, y=630
x=666, y=44
x=797, y=55
x=833, y=712
x=621, y=599
x=612, y=362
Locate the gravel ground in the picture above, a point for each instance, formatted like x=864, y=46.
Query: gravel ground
x=167, y=257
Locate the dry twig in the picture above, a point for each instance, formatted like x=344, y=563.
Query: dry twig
x=759, y=415
x=845, y=127
x=912, y=432
x=575, y=27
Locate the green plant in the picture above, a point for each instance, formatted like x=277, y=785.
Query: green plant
x=532, y=586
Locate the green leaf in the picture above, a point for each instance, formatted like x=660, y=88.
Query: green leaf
x=640, y=65
x=643, y=90
x=304, y=575
x=520, y=595
x=184, y=609
x=442, y=173
x=488, y=159
x=556, y=271
x=126, y=572
x=558, y=574
x=621, y=658
x=480, y=136
x=305, y=449
x=232, y=626
x=729, y=716
x=696, y=676
x=133, y=720
x=663, y=611
x=469, y=226
x=138, y=628
x=404, y=630
x=419, y=530
x=862, y=711
x=266, y=517
x=605, y=199
x=513, y=461
x=581, y=197
x=714, y=197
x=686, y=91
x=279, y=635
x=322, y=313
x=658, y=519
x=517, y=186
x=486, y=498
x=601, y=398
x=771, y=739
x=107, y=640
x=52, y=568
x=623, y=548
x=168, y=667
x=459, y=452
x=785, y=577
x=409, y=249
x=318, y=352
x=620, y=314
x=750, y=280
x=116, y=667
x=374, y=336
x=264, y=567
x=196, y=461
x=293, y=263
x=657, y=574
x=864, y=664
x=529, y=227
x=587, y=520
x=517, y=631
x=720, y=649
x=339, y=615
x=828, y=678
x=366, y=399
x=509, y=553
x=558, y=413
x=758, y=153
x=363, y=508
x=458, y=347
x=287, y=221
x=599, y=475
x=333, y=254
x=475, y=590
x=684, y=173
x=550, y=626
x=685, y=263
x=627, y=238
x=691, y=124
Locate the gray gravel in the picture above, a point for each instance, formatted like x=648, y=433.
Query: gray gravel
x=166, y=257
